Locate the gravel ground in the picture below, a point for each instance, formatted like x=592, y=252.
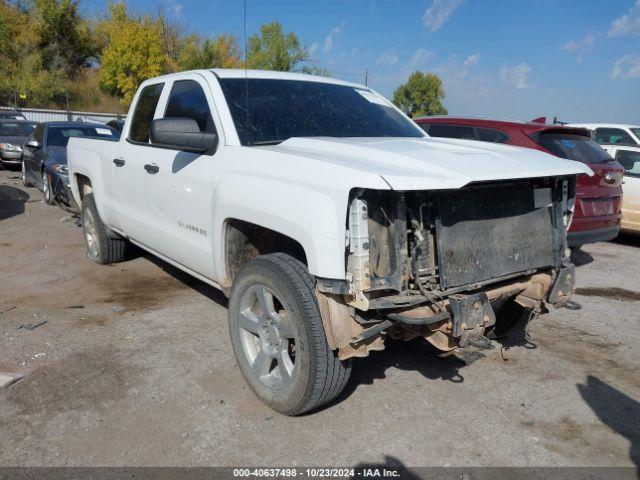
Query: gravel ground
x=134, y=367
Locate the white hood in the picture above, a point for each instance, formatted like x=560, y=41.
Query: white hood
x=428, y=163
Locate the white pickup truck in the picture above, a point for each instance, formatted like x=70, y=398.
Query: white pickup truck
x=329, y=220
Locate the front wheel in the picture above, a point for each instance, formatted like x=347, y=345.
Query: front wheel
x=46, y=189
x=25, y=180
x=278, y=338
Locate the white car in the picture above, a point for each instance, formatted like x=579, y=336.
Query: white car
x=328, y=218
x=612, y=133
x=629, y=158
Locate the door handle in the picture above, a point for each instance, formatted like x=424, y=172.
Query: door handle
x=151, y=168
x=118, y=162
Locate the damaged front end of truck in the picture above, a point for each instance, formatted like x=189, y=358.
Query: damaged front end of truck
x=446, y=264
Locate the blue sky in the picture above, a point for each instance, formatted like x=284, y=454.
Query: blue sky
x=577, y=59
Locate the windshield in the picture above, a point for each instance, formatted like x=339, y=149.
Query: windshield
x=281, y=109
x=574, y=147
x=636, y=132
x=16, y=129
x=59, y=136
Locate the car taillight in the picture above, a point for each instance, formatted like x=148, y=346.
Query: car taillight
x=612, y=179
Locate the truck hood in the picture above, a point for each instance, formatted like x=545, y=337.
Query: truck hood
x=428, y=163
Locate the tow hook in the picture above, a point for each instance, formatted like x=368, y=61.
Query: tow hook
x=471, y=315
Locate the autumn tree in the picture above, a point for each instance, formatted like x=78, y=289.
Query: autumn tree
x=272, y=49
x=221, y=52
x=133, y=54
x=421, y=95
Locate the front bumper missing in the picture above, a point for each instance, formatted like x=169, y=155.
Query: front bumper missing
x=455, y=325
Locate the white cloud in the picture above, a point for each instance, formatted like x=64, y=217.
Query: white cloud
x=314, y=48
x=580, y=47
x=515, y=77
x=469, y=62
x=439, y=12
x=629, y=23
x=329, y=39
x=420, y=57
x=388, y=58
x=174, y=7
x=627, y=67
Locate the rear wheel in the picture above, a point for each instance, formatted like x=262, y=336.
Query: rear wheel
x=278, y=337
x=102, y=245
x=46, y=189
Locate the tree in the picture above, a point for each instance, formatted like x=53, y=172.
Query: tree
x=65, y=39
x=221, y=52
x=275, y=50
x=21, y=65
x=421, y=95
x=134, y=53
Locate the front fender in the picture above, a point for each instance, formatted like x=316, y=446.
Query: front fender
x=316, y=218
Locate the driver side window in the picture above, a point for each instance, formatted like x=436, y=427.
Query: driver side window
x=187, y=100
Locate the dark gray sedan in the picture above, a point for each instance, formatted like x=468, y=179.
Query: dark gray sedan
x=13, y=134
x=44, y=158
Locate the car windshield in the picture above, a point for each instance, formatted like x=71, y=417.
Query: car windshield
x=636, y=132
x=16, y=129
x=574, y=147
x=59, y=136
x=269, y=111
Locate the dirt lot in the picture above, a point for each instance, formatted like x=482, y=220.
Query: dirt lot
x=134, y=367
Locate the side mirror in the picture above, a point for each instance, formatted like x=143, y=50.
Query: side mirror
x=182, y=134
x=32, y=144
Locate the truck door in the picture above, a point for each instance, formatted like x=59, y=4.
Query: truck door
x=178, y=186
x=134, y=150
x=630, y=160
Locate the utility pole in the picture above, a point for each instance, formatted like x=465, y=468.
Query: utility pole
x=366, y=76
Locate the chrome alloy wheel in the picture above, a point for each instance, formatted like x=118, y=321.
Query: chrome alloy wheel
x=267, y=337
x=90, y=233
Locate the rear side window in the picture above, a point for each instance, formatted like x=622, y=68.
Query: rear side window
x=491, y=135
x=451, y=131
x=574, y=147
x=143, y=114
x=187, y=100
x=612, y=136
x=630, y=160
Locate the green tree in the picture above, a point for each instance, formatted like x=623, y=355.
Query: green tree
x=133, y=54
x=21, y=64
x=221, y=52
x=275, y=50
x=65, y=39
x=421, y=95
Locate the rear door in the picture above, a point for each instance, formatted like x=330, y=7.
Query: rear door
x=178, y=186
x=630, y=160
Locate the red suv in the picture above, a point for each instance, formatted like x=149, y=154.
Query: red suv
x=598, y=198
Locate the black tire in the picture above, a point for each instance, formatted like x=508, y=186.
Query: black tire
x=23, y=173
x=318, y=375
x=47, y=191
x=109, y=247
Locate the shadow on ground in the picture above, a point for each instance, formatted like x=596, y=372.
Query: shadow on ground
x=199, y=286
x=617, y=410
x=12, y=201
x=580, y=257
x=629, y=239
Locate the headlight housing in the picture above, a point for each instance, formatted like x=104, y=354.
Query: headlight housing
x=60, y=168
x=10, y=147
